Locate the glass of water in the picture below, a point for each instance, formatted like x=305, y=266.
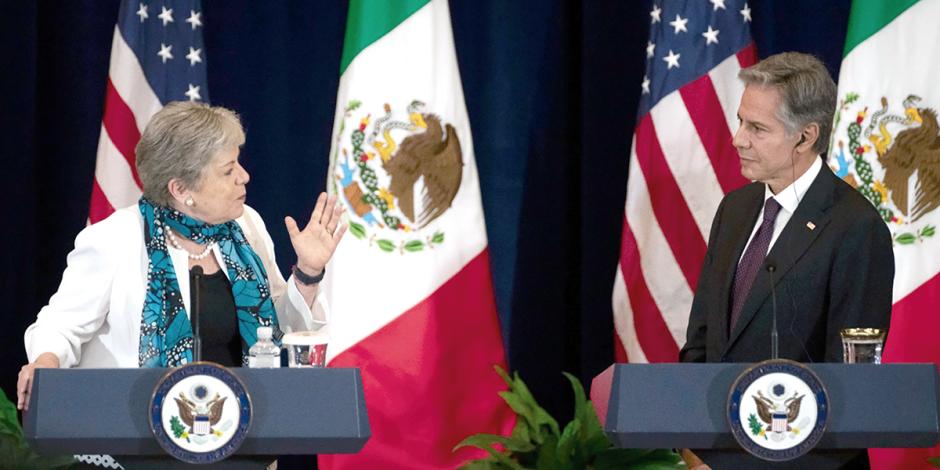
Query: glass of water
x=862, y=345
x=306, y=348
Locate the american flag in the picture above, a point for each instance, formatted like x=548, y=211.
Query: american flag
x=682, y=163
x=157, y=56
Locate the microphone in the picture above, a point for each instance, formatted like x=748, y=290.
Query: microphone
x=196, y=298
x=774, y=342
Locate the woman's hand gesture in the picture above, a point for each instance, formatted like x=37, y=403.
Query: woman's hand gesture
x=315, y=243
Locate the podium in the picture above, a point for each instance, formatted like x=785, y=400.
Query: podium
x=104, y=411
x=684, y=405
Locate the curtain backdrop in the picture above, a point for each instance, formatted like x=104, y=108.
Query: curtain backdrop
x=551, y=88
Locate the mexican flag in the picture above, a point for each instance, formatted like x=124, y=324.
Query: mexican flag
x=886, y=143
x=409, y=287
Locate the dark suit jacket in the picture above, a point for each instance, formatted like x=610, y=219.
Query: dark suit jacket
x=836, y=275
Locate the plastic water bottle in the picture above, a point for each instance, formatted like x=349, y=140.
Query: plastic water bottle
x=264, y=353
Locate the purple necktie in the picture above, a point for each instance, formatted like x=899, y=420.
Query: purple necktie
x=751, y=261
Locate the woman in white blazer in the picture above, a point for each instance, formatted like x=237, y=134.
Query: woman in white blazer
x=124, y=300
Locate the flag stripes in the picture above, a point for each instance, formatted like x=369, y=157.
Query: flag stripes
x=715, y=134
x=668, y=204
x=682, y=163
x=130, y=99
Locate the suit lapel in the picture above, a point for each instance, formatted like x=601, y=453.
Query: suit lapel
x=809, y=220
x=729, y=252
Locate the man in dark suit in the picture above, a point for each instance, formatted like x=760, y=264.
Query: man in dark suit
x=829, y=250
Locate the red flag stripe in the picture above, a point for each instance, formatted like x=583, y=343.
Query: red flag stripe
x=651, y=329
x=409, y=406
x=702, y=102
x=669, y=206
x=620, y=354
x=121, y=126
x=100, y=207
x=747, y=56
x=912, y=338
x=910, y=318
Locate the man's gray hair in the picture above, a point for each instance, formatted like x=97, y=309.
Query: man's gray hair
x=807, y=92
x=179, y=142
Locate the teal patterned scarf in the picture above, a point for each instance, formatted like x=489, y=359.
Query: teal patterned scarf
x=166, y=335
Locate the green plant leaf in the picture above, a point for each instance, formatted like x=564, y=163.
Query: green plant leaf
x=385, y=245
x=437, y=238
x=934, y=461
x=14, y=450
x=548, y=458
x=568, y=441
x=484, y=441
x=537, y=443
x=651, y=459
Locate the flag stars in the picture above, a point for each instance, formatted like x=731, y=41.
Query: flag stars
x=645, y=85
x=166, y=15
x=194, y=56
x=679, y=24
x=746, y=13
x=193, y=93
x=166, y=52
x=717, y=4
x=650, y=49
x=195, y=19
x=655, y=14
x=711, y=36
x=142, y=12
x=672, y=60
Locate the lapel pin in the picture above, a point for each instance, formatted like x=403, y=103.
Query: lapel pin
x=810, y=225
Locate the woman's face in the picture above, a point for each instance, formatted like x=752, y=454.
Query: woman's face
x=221, y=194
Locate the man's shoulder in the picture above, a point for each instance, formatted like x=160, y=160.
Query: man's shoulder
x=850, y=201
x=747, y=192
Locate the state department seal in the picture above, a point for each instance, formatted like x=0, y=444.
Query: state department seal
x=200, y=413
x=777, y=410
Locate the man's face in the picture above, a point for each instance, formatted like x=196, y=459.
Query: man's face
x=765, y=148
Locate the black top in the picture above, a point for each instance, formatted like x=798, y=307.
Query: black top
x=218, y=323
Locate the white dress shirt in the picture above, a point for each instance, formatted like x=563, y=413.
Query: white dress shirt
x=789, y=198
x=93, y=319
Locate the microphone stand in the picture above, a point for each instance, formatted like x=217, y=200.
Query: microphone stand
x=774, y=343
x=195, y=304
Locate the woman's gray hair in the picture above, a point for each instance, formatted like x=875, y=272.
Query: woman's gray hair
x=807, y=92
x=179, y=142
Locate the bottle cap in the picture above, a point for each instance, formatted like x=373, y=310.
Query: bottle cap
x=264, y=332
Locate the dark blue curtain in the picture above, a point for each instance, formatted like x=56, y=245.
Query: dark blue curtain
x=551, y=89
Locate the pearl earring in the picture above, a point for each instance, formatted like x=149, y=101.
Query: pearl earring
x=190, y=202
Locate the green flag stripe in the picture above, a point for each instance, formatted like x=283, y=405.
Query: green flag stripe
x=369, y=20
x=869, y=16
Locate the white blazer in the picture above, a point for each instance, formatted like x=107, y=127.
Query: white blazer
x=93, y=320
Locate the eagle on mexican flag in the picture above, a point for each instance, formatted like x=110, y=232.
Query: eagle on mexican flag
x=886, y=143
x=410, y=291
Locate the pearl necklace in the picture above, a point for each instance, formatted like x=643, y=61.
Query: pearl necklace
x=176, y=244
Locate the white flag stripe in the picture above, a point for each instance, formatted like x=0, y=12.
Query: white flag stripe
x=113, y=174
x=131, y=84
x=623, y=321
x=397, y=282
x=687, y=160
x=729, y=89
x=665, y=281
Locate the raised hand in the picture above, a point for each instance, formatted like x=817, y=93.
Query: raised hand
x=315, y=243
